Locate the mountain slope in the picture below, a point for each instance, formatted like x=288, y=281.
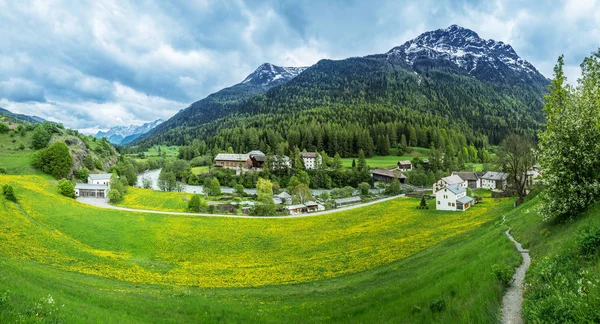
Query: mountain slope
x=225, y=101
x=118, y=134
x=25, y=118
x=445, y=80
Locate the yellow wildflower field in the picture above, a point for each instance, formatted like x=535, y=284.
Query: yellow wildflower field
x=139, y=198
x=219, y=252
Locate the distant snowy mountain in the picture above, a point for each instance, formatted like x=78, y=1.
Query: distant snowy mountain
x=488, y=60
x=270, y=75
x=126, y=134
x=225, y=101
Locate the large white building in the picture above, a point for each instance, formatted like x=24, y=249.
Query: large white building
x=453, y=197
x=97, y=186
x=311, y=160
x=100, y=178
x=450, y=180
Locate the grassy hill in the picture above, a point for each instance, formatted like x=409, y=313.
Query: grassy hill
x=375, y=261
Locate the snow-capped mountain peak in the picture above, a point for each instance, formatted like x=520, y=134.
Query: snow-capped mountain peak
x=271, y=75
x=463, y=47
x=117, y=133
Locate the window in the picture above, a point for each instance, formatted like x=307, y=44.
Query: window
x=448, y=204
x=439, y=202
x=452, y=204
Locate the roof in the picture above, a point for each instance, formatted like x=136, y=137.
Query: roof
x=100, y=176
x=258, y=157
x=464, y=200
x=453, y=179
x=284, y=195
x=533, y=174
x=308, y=154
x=232, y=157
x=255, y=152
x=467, y=176
x=346, y=200
x=387, y=173
x=405, y=162
x=310, y=203
x=295, y=206
x=90, y=186
x=491, y=175
x=456, y=189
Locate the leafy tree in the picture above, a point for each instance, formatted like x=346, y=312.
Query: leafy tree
x=214, y=189
x=238, y=189
x=516, y=157
x=324, y=196
x=9, y=193
x=55, y=160
x=303, y=177
x=570, y=144
x=264, y=191
x=3, y=128
x=66, y=188
x=88, y=161
x=114, y=195
x=301, y=194
x=337, y=164
x=394, y=188
x=403, y=146
x=40, y=137
x=167, y=181
x=82, y=173
x=423, y=203
x=146, y=183
x=197, y=204
x=364, y=188
x=117, y=184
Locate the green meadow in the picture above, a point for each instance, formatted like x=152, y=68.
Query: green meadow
x=387, y=262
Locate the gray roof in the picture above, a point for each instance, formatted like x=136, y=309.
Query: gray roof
x=405, y=162
x=387, y=173
x=456, y=189
x=90, y=186
x=295, y=206
x=310, y=203
x=346, y=200
x=231, y=157
x=256, y=152
x=464, y=200
x=491, y=175
x=308, y=154
x=100, y=176
x=284, y=195
x=467, y=176
x=453, y=179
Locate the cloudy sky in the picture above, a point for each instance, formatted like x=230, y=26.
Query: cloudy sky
x=95, y=64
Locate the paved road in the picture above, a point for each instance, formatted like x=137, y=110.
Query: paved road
x=512, y=303
x=101, y=203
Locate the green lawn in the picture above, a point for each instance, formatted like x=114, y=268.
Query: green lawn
x=200, y=170
x=390, y=161
x=386, y=263
x=17, y=161
x=171, y=151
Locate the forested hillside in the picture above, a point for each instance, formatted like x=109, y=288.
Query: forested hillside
x=368, y=103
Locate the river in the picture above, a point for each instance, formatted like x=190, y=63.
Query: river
x=153, y=175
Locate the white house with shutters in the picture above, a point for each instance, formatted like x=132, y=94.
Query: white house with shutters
x=100, y=178
x=311, y=160
x=97, y=186
x=494, y=180
x=453, y=197
x=450, y=180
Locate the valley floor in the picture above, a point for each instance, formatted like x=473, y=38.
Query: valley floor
x=387, y=262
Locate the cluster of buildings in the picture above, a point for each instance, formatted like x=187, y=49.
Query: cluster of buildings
x=97, y=186
x=450, y=192
x=255, y=160
x=284, y=198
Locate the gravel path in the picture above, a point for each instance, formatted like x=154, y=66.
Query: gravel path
x=512, y=302
x=101, y=203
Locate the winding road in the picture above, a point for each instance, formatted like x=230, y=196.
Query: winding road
x=512, y=303
x=101, y=203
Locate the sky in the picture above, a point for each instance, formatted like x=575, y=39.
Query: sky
x=96, y=64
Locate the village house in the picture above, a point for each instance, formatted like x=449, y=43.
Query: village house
x=532, y=178
x=453, y=197
x=387, y=176
x=494, y=180
x=311, y=160
x=97, y=186
x=450, y=180
x=296, y=209
x=282, y=198
x=312, y=206
x=232, y=161
x=340, y=202
x=405, y=165
x=257, y=159
x=472, y=179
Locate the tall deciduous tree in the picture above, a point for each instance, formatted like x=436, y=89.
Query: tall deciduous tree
x=516, y=157
x=570, y=145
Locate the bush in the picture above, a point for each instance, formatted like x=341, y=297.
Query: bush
x=238, y=189
x=82, y=173
x=364, y=188
x=40, y=137
x=437, y=305
x=588, y=241
x=3, y=128
x=2, y=171
x=504, y=274
x=66, y=188
x=9, y=193
x=55, y=160
x=197, y=204
x=114, y=195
